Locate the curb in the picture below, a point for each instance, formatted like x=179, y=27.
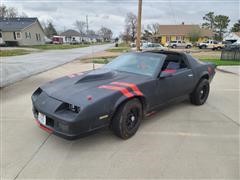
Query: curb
x=225, y=71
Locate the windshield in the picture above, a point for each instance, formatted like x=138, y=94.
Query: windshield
x=138, y=63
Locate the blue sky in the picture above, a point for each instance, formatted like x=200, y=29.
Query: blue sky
x=111, y=13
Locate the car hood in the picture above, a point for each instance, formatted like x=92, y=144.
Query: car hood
x=77, y=87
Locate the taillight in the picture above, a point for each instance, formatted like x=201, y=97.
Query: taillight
x=210, y=70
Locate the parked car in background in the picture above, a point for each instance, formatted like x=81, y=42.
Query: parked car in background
x=57, y=40
x=47, y=40
x=133, y=45
x=183, y=44
x=152, y=46
x=211, y=44
x=235, y=45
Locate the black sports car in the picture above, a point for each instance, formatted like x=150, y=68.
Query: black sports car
x=120, y=93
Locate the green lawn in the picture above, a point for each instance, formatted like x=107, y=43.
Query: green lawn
x=220, y=62
x=123, y=47
x=98, y=60
x=58, y=46
x=14, y=52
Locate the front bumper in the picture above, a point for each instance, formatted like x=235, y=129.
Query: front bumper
x=62, y=129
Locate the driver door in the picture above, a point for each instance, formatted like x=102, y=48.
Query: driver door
x=175, y=80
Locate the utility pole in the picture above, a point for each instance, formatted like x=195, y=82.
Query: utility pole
x=87, y=22
x=139, y=25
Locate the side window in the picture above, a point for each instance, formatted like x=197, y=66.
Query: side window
x=174, y=63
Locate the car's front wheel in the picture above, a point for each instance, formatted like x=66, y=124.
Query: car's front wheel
x=127, y=119
x=201, y=92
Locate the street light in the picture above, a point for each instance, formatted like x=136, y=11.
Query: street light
x=139, y=25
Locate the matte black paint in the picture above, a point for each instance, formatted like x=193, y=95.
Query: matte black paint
x=51, y=98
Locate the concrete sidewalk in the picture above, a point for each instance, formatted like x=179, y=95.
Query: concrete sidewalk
x=182, y=141
x=16, y=68
x=230, y=69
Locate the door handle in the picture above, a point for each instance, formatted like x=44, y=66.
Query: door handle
x=190, y=75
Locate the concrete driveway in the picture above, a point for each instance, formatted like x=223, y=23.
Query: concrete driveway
x=181, y=141
x=15, y=68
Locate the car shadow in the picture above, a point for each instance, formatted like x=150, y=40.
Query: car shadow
x=106, y=136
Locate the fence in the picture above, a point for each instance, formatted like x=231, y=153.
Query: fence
x=231, y=54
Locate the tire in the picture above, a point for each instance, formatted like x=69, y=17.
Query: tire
x=188, y=47
x=200, y=93
x=203, y=47
x=127, y=119
x=174, y=46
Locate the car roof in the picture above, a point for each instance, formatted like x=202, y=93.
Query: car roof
x=165, y=52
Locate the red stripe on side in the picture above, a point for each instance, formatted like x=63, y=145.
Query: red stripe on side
x=150, y=114
x=43, y=127
x=124, y=91
x=131, y=85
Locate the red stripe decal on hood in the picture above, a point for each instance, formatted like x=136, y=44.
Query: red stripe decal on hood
x=131, y=85
x=124, y=91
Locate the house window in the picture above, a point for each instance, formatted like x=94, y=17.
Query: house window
x=28, y=35
x=18, y=35
x=14, y=35
x=38, y=37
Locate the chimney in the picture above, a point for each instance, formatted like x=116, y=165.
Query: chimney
x=182, y=23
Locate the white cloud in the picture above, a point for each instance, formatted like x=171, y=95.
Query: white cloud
x=111, y=13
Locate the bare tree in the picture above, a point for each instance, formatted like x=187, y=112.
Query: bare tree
x=153, y=28
x=12, y=12
x=8, y=12
x=106, y=33
x=131, y=25
x=126, y=35
x=81, y=26
x=3, y=11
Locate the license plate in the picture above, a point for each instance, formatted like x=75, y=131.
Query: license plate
x=42, y=118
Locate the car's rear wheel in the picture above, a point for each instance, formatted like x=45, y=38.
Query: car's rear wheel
x=127, y=119
x=201, y=92
x=174, y=46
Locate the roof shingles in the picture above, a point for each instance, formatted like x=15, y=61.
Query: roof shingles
x=182, y=30
x=15, y=24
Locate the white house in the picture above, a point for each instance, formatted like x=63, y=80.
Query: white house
x=232, y=37
x=71, y=36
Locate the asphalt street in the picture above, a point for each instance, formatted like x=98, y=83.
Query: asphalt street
x=16, y=68
x=180, y=141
